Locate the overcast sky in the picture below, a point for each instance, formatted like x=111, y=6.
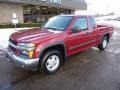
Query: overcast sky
x=103, y=6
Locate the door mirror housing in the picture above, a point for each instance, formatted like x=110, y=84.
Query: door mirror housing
x=75, y=29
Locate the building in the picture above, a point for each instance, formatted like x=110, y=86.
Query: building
x=37, y=10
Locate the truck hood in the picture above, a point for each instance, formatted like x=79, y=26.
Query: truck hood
x=33, y=34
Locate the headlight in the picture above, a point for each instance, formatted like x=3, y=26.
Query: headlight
x=26, y=49
x=26, y=46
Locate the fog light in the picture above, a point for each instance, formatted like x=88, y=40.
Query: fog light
x=30, y=53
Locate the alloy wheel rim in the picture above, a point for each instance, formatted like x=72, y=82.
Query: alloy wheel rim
x=52, y=63
x=104, y=43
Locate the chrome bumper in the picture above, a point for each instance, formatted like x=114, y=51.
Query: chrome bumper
x=28, y=64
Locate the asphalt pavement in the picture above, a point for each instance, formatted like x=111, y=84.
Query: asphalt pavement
x=88, y=70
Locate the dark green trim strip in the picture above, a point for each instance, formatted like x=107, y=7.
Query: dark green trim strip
x=82, y=44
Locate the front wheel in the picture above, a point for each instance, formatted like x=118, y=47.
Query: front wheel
x=51, y=61
x=103, y=44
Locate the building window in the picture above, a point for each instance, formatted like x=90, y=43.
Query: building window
x=36, y=14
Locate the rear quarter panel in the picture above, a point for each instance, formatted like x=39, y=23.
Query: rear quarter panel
x=102, y=30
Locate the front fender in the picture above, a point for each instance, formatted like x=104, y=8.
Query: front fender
x=43, y=46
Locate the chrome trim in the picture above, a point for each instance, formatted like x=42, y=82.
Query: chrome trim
x=29, y=64
x=11, y=44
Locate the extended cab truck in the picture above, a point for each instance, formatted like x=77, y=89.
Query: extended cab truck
x=46, y=48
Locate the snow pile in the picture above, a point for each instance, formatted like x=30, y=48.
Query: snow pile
x=115, y=24
x=116, y=35
x=4, y=36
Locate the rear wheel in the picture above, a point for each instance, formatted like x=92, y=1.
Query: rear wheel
x=104, y=43
x=50, y=62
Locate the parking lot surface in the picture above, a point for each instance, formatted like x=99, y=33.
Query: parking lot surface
x=88, y=70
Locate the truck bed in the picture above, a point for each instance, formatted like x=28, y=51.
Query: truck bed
x=104, y=27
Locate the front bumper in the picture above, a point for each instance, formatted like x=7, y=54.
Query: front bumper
x=28, y=64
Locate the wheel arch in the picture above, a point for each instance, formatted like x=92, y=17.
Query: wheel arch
x=57, y=46
x=107, y=35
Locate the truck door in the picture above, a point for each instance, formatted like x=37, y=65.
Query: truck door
x=80, y=40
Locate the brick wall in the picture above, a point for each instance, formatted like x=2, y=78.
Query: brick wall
x=7, y=10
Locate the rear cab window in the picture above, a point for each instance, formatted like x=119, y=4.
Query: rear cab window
x=81, y=22
x=92, y=22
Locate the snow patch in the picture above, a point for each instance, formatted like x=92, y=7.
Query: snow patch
x=4, y=36
x=116, y=35
x=113, y=51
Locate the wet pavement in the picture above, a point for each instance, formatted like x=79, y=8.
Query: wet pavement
x=88, y=70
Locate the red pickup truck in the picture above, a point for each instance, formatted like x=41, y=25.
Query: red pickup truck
x=45, y=49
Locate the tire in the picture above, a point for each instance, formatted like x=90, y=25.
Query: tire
x=102, y=46
x=50, y=62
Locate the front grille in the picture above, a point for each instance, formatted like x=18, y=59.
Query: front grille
x=13, y=49
x=12, y=41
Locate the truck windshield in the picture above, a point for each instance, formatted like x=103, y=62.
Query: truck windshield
x=59, y=23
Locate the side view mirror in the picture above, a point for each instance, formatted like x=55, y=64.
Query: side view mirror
x=75, y=29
